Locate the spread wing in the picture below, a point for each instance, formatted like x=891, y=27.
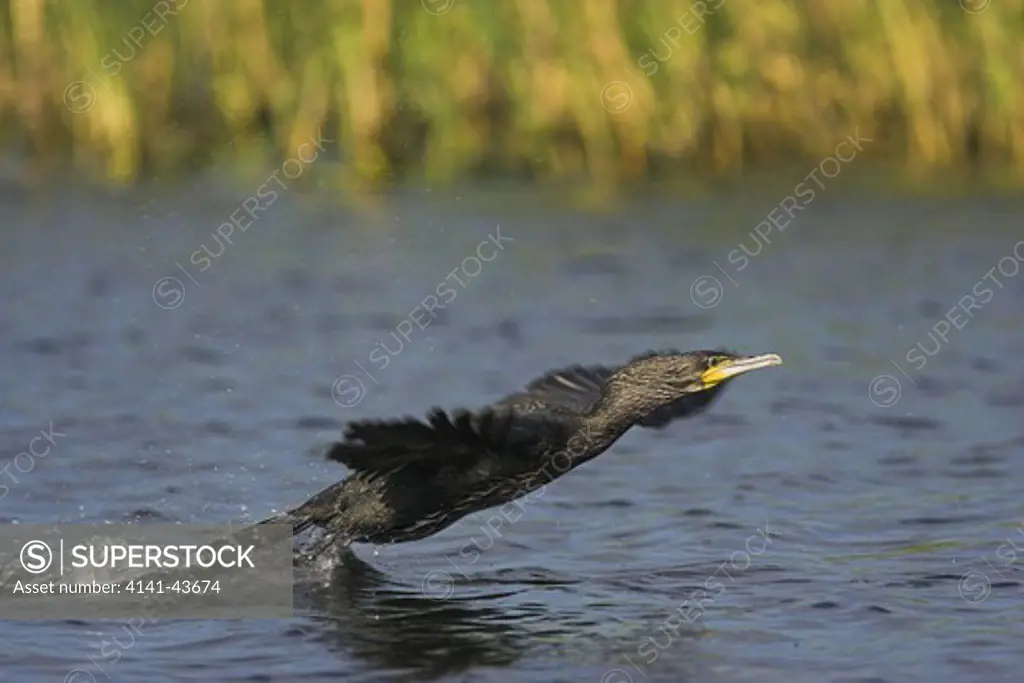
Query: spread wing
x=459, y=439
x=578, y=387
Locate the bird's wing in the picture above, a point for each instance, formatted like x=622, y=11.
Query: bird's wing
x=578, y=387
x=459, y=440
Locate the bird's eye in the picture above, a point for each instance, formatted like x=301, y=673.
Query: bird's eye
x=715, y=360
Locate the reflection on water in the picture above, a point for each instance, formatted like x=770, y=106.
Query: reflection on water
x=364, y=614
x=894, y=522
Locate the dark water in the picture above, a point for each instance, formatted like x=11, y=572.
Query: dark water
x=843, y=527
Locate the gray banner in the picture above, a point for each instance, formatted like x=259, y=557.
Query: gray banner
x=154, y=571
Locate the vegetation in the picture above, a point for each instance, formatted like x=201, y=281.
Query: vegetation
x=611, y=90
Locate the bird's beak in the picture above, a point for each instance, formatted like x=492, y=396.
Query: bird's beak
x=737, y=366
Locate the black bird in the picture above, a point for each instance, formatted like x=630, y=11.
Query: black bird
x=412, y=478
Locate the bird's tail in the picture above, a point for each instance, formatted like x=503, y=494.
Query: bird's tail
x=297, y=517
x=305, y=516
x=321, y=509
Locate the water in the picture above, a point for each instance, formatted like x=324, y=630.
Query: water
x=843, y=527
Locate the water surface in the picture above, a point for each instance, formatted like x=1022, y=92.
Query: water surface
x=847, y=528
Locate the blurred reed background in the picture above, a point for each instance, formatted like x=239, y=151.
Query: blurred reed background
x=611, y=90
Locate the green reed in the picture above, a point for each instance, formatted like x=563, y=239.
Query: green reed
x=602, y=89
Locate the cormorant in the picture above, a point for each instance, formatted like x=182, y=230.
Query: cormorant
x=411, y=478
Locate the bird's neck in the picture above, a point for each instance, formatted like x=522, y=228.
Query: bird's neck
x=607, y=420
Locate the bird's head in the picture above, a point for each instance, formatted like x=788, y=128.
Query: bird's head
x=680, y=383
